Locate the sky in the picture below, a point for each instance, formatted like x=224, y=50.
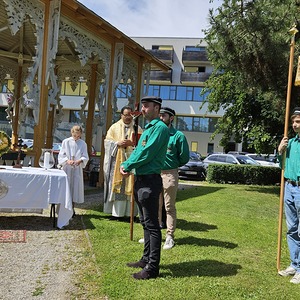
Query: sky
x=155, y=18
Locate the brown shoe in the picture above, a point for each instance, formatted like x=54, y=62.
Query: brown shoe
x=138, y=264
x=145, y=274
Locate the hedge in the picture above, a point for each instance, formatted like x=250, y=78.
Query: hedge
x=243, y=174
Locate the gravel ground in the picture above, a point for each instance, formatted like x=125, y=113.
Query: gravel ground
x=48, y=265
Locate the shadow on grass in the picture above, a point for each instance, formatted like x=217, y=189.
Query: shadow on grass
x=190, y=240
x=200, y=268
x=194, y=226
x=196, y=192
x=273, y=190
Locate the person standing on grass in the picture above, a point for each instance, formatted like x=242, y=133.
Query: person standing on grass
x=73, y=157
x=292, y=196
x=178, y=154
x=148, y=159
x=118, y=146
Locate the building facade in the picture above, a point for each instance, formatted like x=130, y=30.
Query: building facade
x=180, y=88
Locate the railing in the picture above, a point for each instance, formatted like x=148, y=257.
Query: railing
x=194, y=56
x=165, y=55
x=194, y=77
x=161, y=75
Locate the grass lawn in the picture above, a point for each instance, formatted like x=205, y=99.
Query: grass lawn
x=226, y=248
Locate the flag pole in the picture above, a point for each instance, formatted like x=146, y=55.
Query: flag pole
x=135, y=116
x=293, y=32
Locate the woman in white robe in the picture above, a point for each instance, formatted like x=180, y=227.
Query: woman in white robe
x=73, y=157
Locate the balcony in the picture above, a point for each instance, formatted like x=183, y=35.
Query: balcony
x=194, y=57
x=164, y=55
x=194, y=77
x=161, y=76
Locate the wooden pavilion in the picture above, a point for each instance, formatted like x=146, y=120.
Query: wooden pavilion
x=43, y=42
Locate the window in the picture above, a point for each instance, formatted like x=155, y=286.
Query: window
x=210, y=148
x=123, y=91
x=213, y=158
x=184, y=123
x=221, y=158
x=195, y=69
x=230, y=160
x=194, y=48
x=171, y=92
x=196, y=124
x=162, y=47
x=190, y=69
x=194, y=146
x=154, y=90
x=201, y=69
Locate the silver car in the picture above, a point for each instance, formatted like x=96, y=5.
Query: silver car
x=265, y=160
x=222, y=158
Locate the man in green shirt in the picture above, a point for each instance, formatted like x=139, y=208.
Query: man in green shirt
x=148, y=159
x=178, y=154
x=292, y=196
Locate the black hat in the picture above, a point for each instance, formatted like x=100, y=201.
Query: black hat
x=296, y=111
x=151, y=99
x=168, y=110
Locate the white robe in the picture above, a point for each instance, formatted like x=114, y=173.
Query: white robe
x=74, y=150
x=116, y=203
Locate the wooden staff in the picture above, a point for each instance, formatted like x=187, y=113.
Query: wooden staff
x=293, y=32
x=135, y=116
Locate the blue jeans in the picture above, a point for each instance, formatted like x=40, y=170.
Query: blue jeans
x=146, y=193
x=292, y=214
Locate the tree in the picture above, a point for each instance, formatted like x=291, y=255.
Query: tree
x=249, y=46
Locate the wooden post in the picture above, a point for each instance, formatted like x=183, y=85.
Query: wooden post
x=139, y=86
x=91, y=109
x=293, y=31
x=40, y=128
x=108, y=111
x=17, y=109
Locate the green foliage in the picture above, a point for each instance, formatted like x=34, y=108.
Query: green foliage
x=249, y=48
x=5, y=142
x=243, y=174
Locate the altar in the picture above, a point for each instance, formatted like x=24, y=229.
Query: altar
x=36, y=188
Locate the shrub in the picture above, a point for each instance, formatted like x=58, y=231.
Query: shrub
x=243, y=174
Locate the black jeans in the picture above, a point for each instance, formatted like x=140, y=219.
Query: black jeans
x=146, y=194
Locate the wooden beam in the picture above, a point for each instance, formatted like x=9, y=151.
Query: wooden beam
x=91, y=109
x=8, y=54
x=108, y=111
x=40, y=128
x=16, y=114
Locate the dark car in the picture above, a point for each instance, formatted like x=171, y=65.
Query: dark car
x=193, y=169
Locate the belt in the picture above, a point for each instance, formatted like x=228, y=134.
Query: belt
x=292, y=182
x=147, y=176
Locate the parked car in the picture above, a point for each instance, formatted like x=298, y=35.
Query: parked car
x=265, y=159
x=193, y=169
x=237, y=152
x=229, y=159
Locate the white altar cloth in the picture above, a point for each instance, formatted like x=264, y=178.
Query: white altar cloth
x=36, y=188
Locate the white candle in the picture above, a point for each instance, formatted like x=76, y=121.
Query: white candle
x=46, y=160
